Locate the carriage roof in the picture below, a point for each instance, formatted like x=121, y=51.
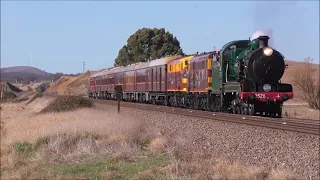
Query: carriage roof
x=202, y=56
x=132, y=67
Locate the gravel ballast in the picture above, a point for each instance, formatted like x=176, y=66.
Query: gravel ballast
x=250, y=145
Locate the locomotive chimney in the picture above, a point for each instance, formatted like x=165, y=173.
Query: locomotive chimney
x=263, y=41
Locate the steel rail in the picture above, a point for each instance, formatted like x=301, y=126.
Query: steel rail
x=309, y=126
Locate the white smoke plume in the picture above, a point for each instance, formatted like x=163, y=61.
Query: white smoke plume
x=266, y=14
x=268, y=32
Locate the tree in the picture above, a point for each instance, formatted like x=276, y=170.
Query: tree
x=148, y=44
x=307, y=81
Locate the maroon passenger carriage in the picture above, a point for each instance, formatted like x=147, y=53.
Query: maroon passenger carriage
x=141, y=82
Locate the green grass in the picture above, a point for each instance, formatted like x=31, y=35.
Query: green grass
x=89, y=170
x=1, y=171
x=26, y=149
x=127, y=170
x=98, y=168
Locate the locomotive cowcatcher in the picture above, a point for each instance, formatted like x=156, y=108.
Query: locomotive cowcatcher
x=242, y=78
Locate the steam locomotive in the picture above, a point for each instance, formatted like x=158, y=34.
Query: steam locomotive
x=242, y=78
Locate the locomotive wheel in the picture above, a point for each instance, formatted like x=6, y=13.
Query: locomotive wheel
x=238, y=110
x=279, y=111
x=245, y=110
x=233, y=110
x=166, y=101
x=153, y=100
x=251, y=110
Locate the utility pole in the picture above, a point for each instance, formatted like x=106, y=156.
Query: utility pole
x=83, y=66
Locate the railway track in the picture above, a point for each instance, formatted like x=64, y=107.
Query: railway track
x=295, y=125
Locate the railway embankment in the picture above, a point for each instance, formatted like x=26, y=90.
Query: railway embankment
x=250, y=145
x=98, y=143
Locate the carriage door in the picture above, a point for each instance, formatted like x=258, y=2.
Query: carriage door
x=94, y=84
x=151, y=77
x=193, y=76
x=157, y=79
x=160, y=77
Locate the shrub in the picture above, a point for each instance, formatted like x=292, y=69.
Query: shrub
x=8, y=96
x=304, y=80
x=42, y=87
x=67, y=103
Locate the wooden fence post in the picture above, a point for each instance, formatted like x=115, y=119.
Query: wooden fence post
x=118, y=90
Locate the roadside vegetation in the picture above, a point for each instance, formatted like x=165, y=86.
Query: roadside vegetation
x=68, y=103
x=42, y=87
x=306, y=79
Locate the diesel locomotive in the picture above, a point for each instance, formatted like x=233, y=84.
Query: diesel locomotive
x=244, y=77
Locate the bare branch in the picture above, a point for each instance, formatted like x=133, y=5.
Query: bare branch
x=305, y=80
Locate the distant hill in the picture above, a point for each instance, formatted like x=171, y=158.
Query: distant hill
x=23, y=74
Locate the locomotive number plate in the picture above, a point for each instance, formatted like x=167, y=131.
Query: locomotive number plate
x=260, y=96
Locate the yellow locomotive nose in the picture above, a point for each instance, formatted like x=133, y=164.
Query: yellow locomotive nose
x=267, y=51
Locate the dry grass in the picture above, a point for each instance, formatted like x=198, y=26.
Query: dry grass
x=291, y=73
x=26, y=94
x=203, y=166
x=61, y=85
x=89, y=131
x=71, y=85
x=92, y=143
x=158, y=145
x=27, y=87
x=29, y=127
x=302, y=112
x=35, y=96
x=80, y=85
x=306, y=79
x=283, y=175
x=68, y=103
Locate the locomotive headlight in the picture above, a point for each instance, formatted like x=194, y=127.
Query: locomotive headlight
x=267, y=87
x=267, y=51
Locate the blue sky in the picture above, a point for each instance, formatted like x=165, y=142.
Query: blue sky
x=59, y=36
